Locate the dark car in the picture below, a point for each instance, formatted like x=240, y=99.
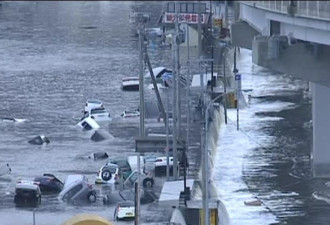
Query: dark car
x=48, y=183
x=27, y=193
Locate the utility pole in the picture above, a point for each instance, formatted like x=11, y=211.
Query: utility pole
x=175, y=93
x=225, y=83
x=226, y=14
x=188, y=114
x=188, y=90
x=200, y=47
x=141, y=77
x=137, y=193
x=205, y=161
x=238, y=79
x=167, y=137
x=159, y=100
x=178, y=41
x=212, y=48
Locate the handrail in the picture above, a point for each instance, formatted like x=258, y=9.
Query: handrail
x=309, y=9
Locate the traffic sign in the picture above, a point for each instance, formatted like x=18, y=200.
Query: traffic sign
x=237, y=76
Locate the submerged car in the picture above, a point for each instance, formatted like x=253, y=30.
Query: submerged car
x=77, y=190
x=130, y=113
x=160, y=165
x=48, y=183
x=130, y=84
x=125, y=210
x=107, y=174
x=123, y=165
x=98, y=114
x=88, y=123
x=27, y=193
x=92, y=104
x=146, y=179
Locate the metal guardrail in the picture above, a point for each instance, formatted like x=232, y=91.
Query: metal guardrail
x=309, y=9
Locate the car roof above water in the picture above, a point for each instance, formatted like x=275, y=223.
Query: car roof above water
x=126, y=203
x=26, y=184
x=94, y=101
x=74, y=178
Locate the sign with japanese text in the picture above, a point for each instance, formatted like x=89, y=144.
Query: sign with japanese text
x=190, y=18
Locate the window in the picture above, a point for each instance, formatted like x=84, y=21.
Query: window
x=133, y=178
x=190, y=7
x=171, y=7
x=183, y=7
x=202, y=8
x=112, y=169
x=59, y=184
x=98, y=111
x=86, y=126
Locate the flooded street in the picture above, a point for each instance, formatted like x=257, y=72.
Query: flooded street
x=55, y=56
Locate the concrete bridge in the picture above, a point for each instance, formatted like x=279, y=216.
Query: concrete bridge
x=293, y=37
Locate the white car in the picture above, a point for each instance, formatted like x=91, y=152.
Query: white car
x=130, y=113
x=88, y=124
x=162, y=161
x=107, y=174
x=77, y=190
x=99, y=115
x=146, y=179
x=125, y=210
x=130, y=83
x=92, y=104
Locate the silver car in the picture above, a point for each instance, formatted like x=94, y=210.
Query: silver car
x=77, y=189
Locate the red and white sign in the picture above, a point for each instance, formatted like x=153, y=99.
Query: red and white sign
x=190, y=18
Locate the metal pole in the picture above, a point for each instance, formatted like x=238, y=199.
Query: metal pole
x=188, y=116
x=199, y=30
x=178, y=80
x=175, y=80
x=212, y=49
x=206, y=178
x=237, y=108
x=188, y=93
x=167, y=137
x=226, y=14
x=225, y=84
x=141, y=86
x=138, y=191
x=160, y=103
x=34, y=216
x=237, y=93
x=200, y=46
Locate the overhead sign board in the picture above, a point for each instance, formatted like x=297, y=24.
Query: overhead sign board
x=190, y=18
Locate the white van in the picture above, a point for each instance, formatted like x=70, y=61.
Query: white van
x=132, y=161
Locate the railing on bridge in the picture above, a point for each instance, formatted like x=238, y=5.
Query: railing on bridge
x=310, y=9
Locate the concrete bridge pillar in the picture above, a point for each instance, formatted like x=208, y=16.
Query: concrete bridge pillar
x=321, y=130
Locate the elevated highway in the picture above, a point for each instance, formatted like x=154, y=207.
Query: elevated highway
x=293, y=37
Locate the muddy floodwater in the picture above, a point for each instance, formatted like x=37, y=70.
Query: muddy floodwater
x=55, y=56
